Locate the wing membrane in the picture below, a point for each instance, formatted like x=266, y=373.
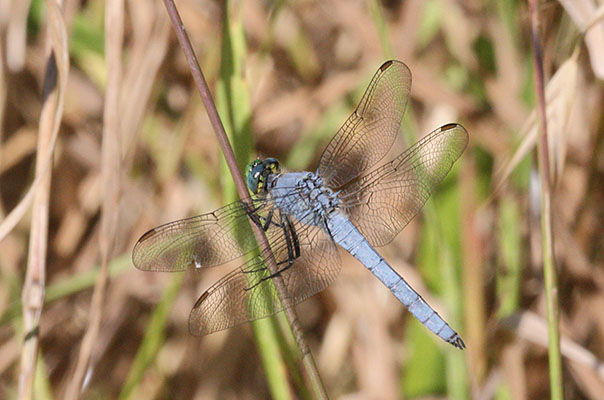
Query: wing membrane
x=201, y=241
x=247, y=293
x=370, y=131
x=383, y=202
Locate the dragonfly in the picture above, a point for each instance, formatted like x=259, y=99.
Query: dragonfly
x=350, y=200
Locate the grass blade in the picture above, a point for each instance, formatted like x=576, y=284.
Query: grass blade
x=547, y=239
x=152, y=340
x=55, y=81
x=233, y=103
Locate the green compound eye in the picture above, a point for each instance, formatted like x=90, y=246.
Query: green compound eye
x=252, y=164
x=257, y=172
x=254, y=175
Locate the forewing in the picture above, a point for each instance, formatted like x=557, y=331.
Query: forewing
x=248, y=292
x=383, y=202
x=201, y=241
x=370, y=131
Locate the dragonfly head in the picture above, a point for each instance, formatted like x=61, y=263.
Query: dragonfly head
x=258, y=171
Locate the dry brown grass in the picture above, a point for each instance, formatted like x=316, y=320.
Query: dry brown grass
x=139, y=150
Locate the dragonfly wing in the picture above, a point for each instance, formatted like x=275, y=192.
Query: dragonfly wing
x=248, y=292
x=201, y=241
x=382, y=202
x=370, y=131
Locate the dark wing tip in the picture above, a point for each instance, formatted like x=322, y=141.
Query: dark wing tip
x=453, y=125
x=194, y=326
x=147, y=235
x=461, y=134
x=386, y=65
x=449, y=126
x=201, y=299
x=135, y=251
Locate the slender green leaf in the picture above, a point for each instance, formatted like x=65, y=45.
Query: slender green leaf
x=510, y=269
x=233, y=103
x=153, y=339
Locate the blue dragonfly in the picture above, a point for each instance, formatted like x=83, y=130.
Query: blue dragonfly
x=305, y=214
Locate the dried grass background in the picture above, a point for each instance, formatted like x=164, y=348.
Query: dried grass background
x=135, y=149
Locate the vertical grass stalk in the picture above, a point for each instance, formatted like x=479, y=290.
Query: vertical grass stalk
x=310, y=367
x=234, y=105
x=547, y=245
x=55, y=82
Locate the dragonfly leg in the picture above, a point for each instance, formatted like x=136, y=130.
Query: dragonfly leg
x=326, y=227
x=293, y=252
x=268, y=220
x=293, y=246
x=291, y=239
x=263, y=222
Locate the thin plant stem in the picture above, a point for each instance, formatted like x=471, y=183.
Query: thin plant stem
x=310, y=367
x=114, y=26
x=34, y=287
x=547, y=245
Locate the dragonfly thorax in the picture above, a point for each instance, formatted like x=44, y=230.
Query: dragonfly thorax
x=304, y=196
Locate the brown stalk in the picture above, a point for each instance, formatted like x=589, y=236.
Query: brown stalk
x=547, y=240
x=55, y=81
x=312, y=374
x=474, y=276
x=146, y=56
x=16, y=35
x=2, y=108
x=110, y=171
x=58, y=35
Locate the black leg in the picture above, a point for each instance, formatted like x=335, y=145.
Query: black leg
x=293, y=248
x=328, y=230
x=268, y=220
x=264, y=222
x=288, y=239
x=295, y=240
x=293, y=252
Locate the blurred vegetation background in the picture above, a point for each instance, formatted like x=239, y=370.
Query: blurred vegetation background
x=285, y=75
